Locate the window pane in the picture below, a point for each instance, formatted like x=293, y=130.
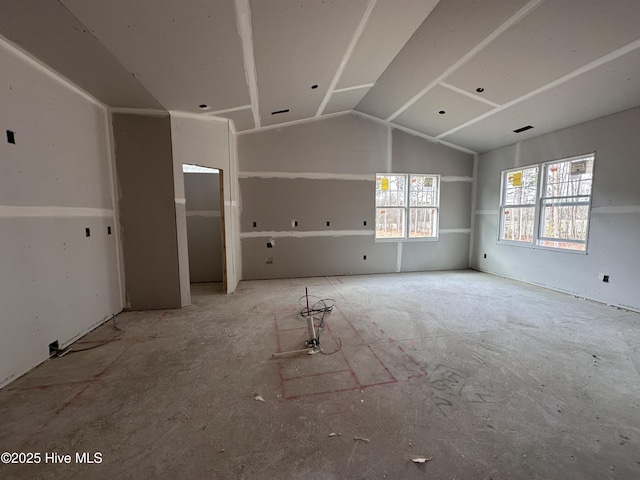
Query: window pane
x=569, y=178
x=517, y=223
x=520, y=186
x=423, y=223
x=423, y=191
x=565, y=222
x=390, y=222
x=390, y=190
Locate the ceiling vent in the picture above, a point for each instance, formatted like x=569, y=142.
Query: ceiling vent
x=522, y=129
x=279, y=111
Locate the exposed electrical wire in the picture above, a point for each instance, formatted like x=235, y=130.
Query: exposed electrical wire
x=319, y=311
x=64, y=351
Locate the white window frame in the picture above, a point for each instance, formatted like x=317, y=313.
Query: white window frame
x=504, y=206
x=539, y=241
x=407, y=208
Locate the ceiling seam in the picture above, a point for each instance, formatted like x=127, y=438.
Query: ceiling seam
x=414, y=132
x=559, y=81
x=197, y=116
x=154, y=112
x=295, y=122
x=511, y=21
x=245, y=29
x=355, y=87
x=468, y=94
x=229, y=110
x=362, y=24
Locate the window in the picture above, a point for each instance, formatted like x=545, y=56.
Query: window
x=518, y=210
x=565, y=203
x=554, y=215
x=406, y=206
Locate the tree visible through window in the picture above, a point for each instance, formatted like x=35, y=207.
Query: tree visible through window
x=556, y=215
x=565, y=203
x=406, y=206
x=518, y=212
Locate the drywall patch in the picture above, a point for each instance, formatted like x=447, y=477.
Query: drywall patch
x=13, y=211
x=204, y=213
x=311, y=233
x=309, y=175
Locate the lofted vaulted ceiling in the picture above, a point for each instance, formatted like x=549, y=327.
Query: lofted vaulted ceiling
x=461, y=72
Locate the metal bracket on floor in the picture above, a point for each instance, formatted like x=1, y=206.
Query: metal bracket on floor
x=313, y=344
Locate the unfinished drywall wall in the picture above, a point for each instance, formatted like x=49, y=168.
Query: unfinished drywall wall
x=208, y=142
x=59, y=273
x=147, y=211
x=322, y=175
x=204, y=229
x=615, y=214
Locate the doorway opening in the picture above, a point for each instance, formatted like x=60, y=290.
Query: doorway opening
x=205, y=225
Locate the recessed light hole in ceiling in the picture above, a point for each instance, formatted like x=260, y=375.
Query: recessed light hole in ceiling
x=203, y=106
x=442, y=112
x=313, y=87
x=479, y=89
x=522, y=129
x=280, y=111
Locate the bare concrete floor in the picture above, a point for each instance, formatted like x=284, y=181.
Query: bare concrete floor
x=487, y=378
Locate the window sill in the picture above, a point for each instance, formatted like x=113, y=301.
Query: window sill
x=533, y=246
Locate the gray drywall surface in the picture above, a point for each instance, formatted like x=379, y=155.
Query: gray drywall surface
x=204, y=233
x=322, y=176
x=614, y=232
x=56, y=283
x=208, y=142
x=147, y=211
